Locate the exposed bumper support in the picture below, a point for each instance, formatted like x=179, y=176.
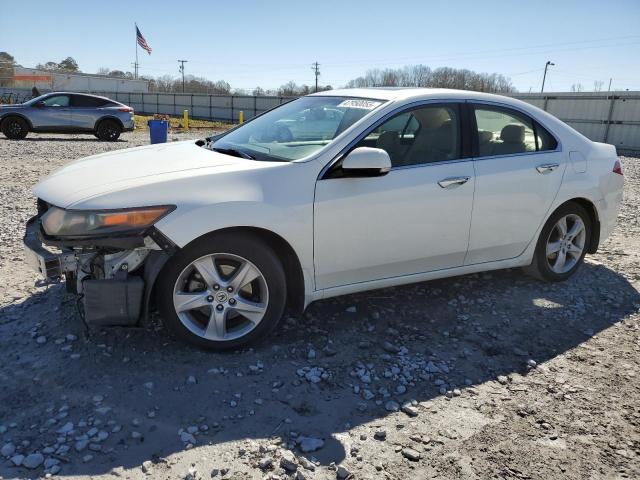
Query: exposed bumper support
x=50, y=265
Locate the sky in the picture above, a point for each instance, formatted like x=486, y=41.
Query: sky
x=253, y=43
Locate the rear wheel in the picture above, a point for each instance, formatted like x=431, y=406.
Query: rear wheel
x=562, y=245
x=15, y=128
x=222, y=292
x=108, y=130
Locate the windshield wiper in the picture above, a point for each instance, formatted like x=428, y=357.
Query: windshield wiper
x=234, y=153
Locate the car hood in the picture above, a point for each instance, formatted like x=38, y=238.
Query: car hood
x=122, y=169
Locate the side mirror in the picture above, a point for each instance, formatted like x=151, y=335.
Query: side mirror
x=40, y=104
x=366, y=162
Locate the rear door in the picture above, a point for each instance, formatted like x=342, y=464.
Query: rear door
x=519, y=167
x=55, y=114
x=86, y=110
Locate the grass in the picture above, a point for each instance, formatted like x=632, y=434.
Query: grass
x=176, y=123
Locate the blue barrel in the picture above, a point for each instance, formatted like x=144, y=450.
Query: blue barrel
x=158, y=130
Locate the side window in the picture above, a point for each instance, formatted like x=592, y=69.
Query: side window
x=84, y=101
x=57, y=101
x=422, y=135
x=544, y=140
x=501, y=132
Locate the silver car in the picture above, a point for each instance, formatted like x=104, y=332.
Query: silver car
x=62, y=112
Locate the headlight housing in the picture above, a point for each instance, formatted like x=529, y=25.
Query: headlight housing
x=58, y=222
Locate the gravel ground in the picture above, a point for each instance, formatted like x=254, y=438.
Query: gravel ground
x=484, y=376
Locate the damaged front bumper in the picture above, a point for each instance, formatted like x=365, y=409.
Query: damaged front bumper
x=113, y=276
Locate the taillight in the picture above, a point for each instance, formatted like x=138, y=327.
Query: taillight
x=617, y=167
x=125, y=109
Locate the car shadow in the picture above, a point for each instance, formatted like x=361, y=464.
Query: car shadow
x=459, y=332
x=69, y=139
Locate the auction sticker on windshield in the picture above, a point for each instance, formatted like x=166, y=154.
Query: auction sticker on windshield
x=359, y=103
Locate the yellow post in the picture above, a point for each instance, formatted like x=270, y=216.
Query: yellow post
x=186, y=119
x=241, y=116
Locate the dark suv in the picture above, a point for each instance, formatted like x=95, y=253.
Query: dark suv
x=62, y=112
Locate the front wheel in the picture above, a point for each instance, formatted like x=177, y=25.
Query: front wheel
x=222, y=291
x=15, y=128
x=562, y=244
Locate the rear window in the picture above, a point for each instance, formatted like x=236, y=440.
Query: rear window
x=91, y=102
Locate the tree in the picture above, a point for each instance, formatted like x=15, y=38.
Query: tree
x=444, y=77
x=49, y=66
x=597, y=85
x=103, y=71
x=577, y=87
x=68, y=65
x=258, y=92
x=7, y=62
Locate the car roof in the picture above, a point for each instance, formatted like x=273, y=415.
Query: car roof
x=84, y=94
x=413, y=93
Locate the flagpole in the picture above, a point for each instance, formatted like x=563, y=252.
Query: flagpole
x=136, y=32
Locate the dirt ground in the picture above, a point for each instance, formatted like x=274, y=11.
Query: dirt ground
x=484, y=376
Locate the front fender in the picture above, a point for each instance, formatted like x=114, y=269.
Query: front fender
x=293, y=223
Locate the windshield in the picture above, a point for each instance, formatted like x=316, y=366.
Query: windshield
x=296, y=129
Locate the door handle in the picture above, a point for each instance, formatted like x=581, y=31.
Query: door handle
x=547, y=168
x=453, y=182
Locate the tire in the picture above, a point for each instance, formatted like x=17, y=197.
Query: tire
x=194, y=300
x=15, y=128
x=108, y=130
x=574, y=245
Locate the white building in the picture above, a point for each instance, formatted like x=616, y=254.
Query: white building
x=44, y=80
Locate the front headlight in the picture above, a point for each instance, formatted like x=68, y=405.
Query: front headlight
x=80, y=223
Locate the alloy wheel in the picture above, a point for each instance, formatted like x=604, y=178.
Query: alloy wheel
x=221, y=297
x=566, y=243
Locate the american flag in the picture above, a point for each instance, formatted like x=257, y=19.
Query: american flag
x=142, y=42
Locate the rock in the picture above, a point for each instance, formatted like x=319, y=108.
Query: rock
x=66, y=428
x=33, y=461
x=503, y=380
x=50, y=462
x=17, y=460
x=309, y=444
x=288, y=461
x=81, y=445
x=411, y=454
x=410, y=410
x=8, y=449
x=342, y=472
x=41, y=340
x=390, y=347
x=265, y=463
x=87, y=458
x=300, y=476
x=186, y=437
x=306, y=464
x=192, y=380
x=351, y=309
x=147, y=467
x=148, y=385
x=380, y=435
x=392, y=406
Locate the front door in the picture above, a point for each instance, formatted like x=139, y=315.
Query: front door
x=414, y=219
x=519, y=170
x=55, y=114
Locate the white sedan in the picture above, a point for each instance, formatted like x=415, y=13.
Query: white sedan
x=407, y=185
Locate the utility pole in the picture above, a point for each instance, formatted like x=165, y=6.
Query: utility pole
x=609, y=89
x=546, y=65
x=316, y=70
x=135, y=69
x=181, y=70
